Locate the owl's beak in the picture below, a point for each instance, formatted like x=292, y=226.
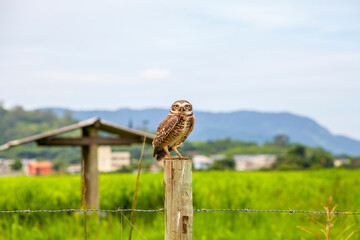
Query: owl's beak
x=181, y=109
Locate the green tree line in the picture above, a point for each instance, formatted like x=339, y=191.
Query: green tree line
x=18, y=123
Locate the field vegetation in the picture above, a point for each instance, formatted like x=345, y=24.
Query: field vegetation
x=302, y=190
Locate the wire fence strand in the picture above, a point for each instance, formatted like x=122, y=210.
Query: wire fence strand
x=195, y=210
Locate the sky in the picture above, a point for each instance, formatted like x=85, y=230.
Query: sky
x=301, y=57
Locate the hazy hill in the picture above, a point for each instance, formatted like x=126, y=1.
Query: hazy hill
x=241, y=125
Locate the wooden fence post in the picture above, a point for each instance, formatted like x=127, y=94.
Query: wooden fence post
x=91, y=176
x=178, y=199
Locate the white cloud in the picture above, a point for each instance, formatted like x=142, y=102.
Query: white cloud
x=155, y=74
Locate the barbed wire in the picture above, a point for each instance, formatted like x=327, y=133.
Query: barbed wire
x=195, y=210
x=276, y=211
x=83, y=210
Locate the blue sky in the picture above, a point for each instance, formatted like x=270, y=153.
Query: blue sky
x=296, y=56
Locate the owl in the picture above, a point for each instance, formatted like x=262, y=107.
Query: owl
x=174, y=129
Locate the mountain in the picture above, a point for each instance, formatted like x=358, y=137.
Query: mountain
x=241, y=125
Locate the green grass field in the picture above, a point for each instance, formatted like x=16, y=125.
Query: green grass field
x=303, y=190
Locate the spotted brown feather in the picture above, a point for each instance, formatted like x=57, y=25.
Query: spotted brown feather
x=192, y=124
x=163, y=130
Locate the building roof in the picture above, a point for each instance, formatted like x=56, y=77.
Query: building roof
x=124, y=133
x=41, y=164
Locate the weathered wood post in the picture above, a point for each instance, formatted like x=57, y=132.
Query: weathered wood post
x=91, y=175
x=178, y=199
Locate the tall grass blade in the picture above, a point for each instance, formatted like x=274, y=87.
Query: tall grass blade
x=136, y=189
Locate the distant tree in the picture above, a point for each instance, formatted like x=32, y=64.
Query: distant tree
x=301, y=157
x=17, y=165
x=18, y=123
x=354, y=163
x=188, y=146
x=294, y=158
x=320, y=157
x=297, y=150
x=297, y=155
x=281, y=140
x=59, y=164
x=225, y=164
x=125, y=169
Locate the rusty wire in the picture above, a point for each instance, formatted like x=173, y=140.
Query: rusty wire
x=195, y=210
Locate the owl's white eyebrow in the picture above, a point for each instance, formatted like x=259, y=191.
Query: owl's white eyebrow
x=182, y=104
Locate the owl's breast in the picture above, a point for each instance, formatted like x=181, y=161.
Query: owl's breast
x=181, y=130
x=183, y=125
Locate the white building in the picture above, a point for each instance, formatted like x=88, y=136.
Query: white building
x=74, y=168
x=25, y=165
x=202, y=162
x=341, y=161
x=5, y=166
x=253, y=162
x=109, y=161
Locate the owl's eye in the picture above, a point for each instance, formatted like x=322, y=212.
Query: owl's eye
x=176, y=106
x=187, y=106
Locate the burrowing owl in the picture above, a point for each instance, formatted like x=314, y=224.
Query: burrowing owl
x=174, y=129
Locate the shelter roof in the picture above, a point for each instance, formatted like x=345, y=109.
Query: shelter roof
x=125, y=133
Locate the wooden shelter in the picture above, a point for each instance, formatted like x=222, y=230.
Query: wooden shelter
x=89, y=142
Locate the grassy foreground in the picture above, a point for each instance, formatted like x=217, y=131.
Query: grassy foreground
x=303, y=190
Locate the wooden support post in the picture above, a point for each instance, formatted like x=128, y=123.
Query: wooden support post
x=91, y=176
x=178, y=199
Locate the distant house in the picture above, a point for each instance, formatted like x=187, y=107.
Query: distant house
x=5, y=166
x=25, y=165
x=39, y=168
x=202, y=162
x=74, y=168
x=340, y=162
x=253, y=162
x=110, y=161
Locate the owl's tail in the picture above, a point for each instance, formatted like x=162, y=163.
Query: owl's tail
x=160, y=155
